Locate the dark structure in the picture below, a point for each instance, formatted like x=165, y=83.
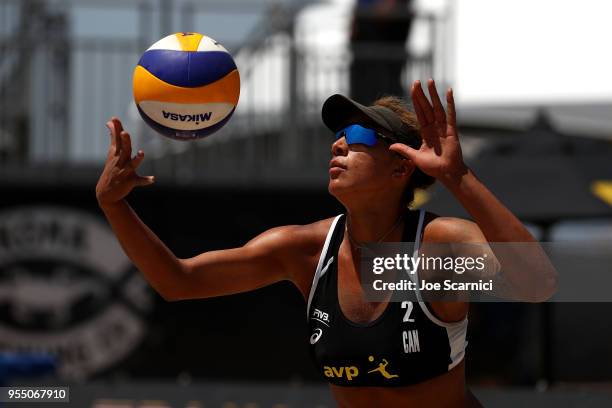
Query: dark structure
x=378, y=38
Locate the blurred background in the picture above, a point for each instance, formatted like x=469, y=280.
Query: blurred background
x=534, y=102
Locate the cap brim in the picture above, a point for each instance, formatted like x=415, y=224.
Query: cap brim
x=338, y=111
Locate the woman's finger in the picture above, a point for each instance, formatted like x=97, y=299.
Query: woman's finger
x=113, y=141
x=143, y=180
x=126, y=147
x=118, y=124
x=421, y=99
x=420, y=114
x=114, y=135
x=404, y=150
x=438, y=109
x=422, y=118
x=451, y=116
x=137, y=160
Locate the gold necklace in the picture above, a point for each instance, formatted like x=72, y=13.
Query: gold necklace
x=358, y=245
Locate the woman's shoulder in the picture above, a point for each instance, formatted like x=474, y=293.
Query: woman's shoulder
x=439, y=228
x=306, y=243
x=314, y=234
x=298, y=241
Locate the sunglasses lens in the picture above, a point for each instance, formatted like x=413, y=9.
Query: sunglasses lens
x=358, y=134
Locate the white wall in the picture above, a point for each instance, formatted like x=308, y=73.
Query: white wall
x=533, y=51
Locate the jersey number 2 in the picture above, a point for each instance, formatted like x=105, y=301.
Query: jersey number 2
x=408, y=306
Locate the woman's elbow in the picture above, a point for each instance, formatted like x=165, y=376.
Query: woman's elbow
x=550, y=286
x=169, y=294
x=173, y=289
x=545, y=289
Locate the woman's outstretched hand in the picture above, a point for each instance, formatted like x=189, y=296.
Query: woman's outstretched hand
x=119, y=175
x=440, y=153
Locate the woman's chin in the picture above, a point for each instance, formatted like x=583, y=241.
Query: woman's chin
x=334, y=187
x=338, y=188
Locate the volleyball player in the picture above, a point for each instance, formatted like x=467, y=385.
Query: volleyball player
x=373, y=354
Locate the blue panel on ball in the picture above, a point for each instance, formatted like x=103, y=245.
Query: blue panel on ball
x=188, y=68
x=184, y=134
x=209, y=66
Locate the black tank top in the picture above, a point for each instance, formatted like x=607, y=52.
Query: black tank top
x=407, y=344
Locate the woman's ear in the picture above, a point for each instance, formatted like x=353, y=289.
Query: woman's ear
x=403, y=167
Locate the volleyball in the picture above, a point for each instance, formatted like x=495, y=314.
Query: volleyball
x=186, y=86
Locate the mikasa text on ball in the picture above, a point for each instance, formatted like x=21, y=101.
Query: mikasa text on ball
x=186, y=86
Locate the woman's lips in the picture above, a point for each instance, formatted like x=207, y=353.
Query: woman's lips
x=335, y=171
x=336, y=167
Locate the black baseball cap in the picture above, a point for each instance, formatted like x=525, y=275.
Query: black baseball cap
x=339, y=111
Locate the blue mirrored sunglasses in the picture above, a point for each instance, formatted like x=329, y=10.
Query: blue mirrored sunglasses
x=359, y=134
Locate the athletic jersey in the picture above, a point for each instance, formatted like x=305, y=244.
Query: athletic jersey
x=407, y=344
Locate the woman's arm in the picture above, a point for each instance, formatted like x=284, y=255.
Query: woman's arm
x=525, y=265
x=260, y=262
x=272, y=256
x=527, y=272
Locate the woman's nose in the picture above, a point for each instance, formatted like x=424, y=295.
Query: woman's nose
x=339, y=147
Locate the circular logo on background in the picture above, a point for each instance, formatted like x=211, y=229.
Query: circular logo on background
x=67, y=288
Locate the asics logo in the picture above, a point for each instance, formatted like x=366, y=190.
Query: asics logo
x=316, y=335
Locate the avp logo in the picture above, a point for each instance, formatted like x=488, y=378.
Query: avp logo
x=196, y=117
x=341, y=372
x=67, y=288
x=321, y=316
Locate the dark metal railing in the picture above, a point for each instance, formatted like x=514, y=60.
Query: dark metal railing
x=57, y=88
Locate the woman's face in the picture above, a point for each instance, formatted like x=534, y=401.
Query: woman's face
x=360, y=171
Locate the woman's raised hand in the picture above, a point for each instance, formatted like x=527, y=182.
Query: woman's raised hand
x=119, y=175
x=440, y=153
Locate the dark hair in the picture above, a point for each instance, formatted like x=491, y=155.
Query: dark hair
x=418, y=179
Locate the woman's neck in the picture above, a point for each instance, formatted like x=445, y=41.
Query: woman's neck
x=374, y=223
